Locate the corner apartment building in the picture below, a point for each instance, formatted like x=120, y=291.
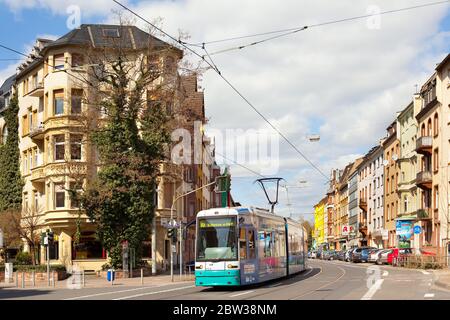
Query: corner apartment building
x=371, y=195
x=53, y=94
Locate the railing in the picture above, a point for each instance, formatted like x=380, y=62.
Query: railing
x=424, y=143
x=36, y=129
x=424, y=213
x=424, y=177
x=422, y=261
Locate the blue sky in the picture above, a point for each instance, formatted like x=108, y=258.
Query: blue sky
x=344, y=82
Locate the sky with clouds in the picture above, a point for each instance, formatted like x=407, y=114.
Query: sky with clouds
x=343, y=81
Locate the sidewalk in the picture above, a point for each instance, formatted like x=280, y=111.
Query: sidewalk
x=442, y=278
x=92, y=281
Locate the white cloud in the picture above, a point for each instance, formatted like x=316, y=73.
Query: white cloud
x=343, y=81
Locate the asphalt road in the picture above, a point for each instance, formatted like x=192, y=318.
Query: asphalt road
x=323, y=280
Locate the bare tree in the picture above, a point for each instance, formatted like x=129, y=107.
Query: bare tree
x=27, y=224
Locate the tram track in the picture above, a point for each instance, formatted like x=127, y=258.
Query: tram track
x=323, y=286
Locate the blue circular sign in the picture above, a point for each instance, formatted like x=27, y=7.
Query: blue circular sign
x=417, y=229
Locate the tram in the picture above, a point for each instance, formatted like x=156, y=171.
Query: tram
x=238, y=246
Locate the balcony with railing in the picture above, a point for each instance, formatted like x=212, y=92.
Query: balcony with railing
x=37, y=174
x=37, y=132
x=362, y=227
x=424, y=214
x=424, y=145
x=37, y=89
x=424, y=179
x=363, y=204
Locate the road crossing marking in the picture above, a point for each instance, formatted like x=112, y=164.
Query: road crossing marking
x=373, y=289
x=241, y=294
x=151, y=293
x=111, y=292
x=424, y=272
x=428, y=295
x=385, y=273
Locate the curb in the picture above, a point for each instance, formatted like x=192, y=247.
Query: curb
x=441, y=284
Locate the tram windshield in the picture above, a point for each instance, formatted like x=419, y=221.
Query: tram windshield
x=217, y=239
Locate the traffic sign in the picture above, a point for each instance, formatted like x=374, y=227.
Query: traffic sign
x=172, y=224
x=417, y=230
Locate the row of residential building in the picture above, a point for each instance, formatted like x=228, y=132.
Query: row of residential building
x=396, y=195
x=49, y=93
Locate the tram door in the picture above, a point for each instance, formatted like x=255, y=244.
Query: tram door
x=248, y=255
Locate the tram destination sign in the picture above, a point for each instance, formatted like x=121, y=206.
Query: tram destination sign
x=217, y=223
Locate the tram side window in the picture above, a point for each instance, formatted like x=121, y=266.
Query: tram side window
x=242, y=244
x=251, y=244
x=268, y=244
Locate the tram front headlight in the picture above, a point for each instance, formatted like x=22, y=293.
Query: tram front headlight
x=199, y=267
x=232, y=266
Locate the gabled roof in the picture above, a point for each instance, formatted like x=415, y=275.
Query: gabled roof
x=5, y=88
x=7, y=85
x=130, y=37
x=94, y=36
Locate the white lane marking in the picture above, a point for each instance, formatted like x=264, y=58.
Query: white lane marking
x=385, y=273
x=373, y=289
x=151, y=293
x=424, y=272
x=241, y=294
x=429, y=295
x=112, y=292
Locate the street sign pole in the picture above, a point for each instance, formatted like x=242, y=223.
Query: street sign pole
x=171, y=244
x=181, y=249
x=48, y=262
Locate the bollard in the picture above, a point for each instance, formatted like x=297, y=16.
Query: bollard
x=53, y=278
x=142, y=276
x=23, y=279
x=83, y=279
x=33, y=278
x=17, y=279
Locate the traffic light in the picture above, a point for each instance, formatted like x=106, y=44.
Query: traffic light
x=50, y=236
x=172, y=233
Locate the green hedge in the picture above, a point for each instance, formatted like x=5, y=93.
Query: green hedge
x=38, y=268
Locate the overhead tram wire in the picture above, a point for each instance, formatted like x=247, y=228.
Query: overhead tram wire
x=230, y=85
x=297, y=29
x=240, y=165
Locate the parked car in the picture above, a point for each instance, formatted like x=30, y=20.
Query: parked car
x=348, y=254
x=341, y=255
x=330, y=255
x=383, y=256
x=319, y=254
x=392, y=257
x=361, y=254
x=375, y=254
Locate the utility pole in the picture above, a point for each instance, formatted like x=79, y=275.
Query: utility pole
x=172, y=224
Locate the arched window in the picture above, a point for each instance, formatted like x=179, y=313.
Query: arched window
x=429, y=128
x=4, y=135
x=436, y=124
x=422, y=131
